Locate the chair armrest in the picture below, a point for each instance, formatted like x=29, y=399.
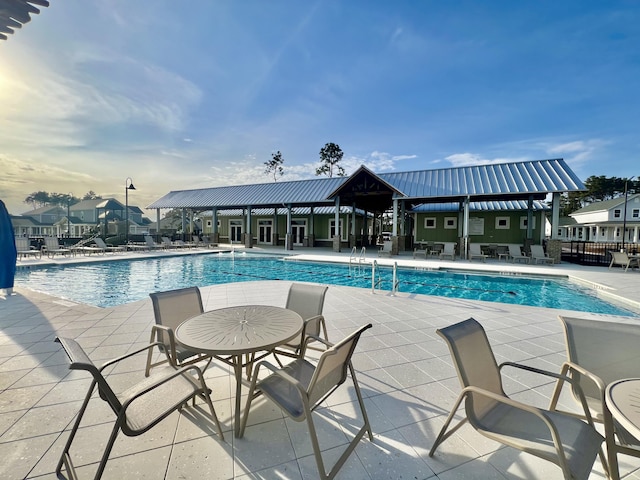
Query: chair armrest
x=559, y=377
x=312, y=338
x=521, y=406
x=130, y=354
x=163, y=380
x=279, y=372
x=156, y=329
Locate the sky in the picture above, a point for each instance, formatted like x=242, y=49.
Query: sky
x=180, y=95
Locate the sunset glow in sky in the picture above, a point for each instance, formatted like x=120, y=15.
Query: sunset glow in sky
x=180, y=95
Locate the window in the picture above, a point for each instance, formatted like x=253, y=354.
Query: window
x=618, y=232
x=616, y=213
x=430, y=222
x=332, y=229
x=523, y=223
x=636, y=213
x=594, y=231
x=503, y=223
x=450, y=223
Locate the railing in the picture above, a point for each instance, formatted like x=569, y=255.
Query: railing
x=375, y=282
x=359, y=259
x=395, y=281
x=593, y=253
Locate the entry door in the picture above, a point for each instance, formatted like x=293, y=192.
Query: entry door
x=235, y=230
x=299, y=230
x=264, y=231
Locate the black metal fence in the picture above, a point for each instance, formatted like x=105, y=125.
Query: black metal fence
x=592, y=253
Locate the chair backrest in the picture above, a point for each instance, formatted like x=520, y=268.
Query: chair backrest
x=81, y=361
x=332, y=368
x=100, y=242
x=306, y=300
x=22, y=244
x=620, y=258
x=449, y=247
x=609, y=350
x=149, y=241
x=537, y=251
x=386, y=246
x=475, y=248
x=514, y=250
x=475, y=363
x=166, y=242
x=51, y=243
x=172, y=307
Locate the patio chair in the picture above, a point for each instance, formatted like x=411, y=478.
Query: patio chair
x=562, y=439
x=170, y=309
x=167, y=243
x=449, y=250
x=476, y=252
x=23, y=247
x=538, y=255
x=52, y=247
x=151, y=244
x=307, y=301
x=300, y=388
x=386, y=250
x=622, y=259
x=599, y=353
x=140, y=407
x=109, y=248
x=515, y=254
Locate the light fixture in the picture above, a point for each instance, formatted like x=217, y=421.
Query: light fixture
x=128, y=185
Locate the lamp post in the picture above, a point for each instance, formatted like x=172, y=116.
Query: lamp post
x=128, y=185
x=69, y=196
x=624, y=218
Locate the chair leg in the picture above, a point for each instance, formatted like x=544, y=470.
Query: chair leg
x=361, y=402
x=207, y=398
x=443, y=435
x=107, y=450
x=65, y=458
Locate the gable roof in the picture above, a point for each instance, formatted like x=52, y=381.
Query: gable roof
x=604, y=205
x=505, y=181
x=14, y=13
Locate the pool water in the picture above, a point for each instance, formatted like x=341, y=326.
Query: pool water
x=106, y=284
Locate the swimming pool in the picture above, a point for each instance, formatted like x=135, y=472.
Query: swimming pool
x=106, y=284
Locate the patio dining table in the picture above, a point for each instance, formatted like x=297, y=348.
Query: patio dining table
x=233, y=332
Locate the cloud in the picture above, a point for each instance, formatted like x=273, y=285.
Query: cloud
x=466, y=159
x=576, y=152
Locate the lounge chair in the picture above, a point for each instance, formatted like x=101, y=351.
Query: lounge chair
x=569, y=442
x=449, y=250
x=24, y=249
x=599, y=353
x=84, y=249
x=151, y=244
x=300, y=388
x=386, y=250
x=622, y=259
x=515, y=254
x=52, y=247
x=538, y=255
x=138, y=408
x=170, y=309
x=167, y=242
x=307, y=301
x=109, y=248
x=475, y=252
x=420, y=253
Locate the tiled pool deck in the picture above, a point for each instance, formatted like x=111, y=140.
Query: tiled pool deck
x=404, y=371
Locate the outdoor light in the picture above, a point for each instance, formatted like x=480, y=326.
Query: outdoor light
x=128, y=185
x=69, y=196
x=624, y=218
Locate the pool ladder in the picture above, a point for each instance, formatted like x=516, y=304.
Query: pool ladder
x=354, y=258
x=377, y=281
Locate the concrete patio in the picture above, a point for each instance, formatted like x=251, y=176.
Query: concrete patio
x=403, y=368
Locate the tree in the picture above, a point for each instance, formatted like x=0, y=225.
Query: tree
x=330, y=158
x=38, y=199
x=274, y=166
x=91, y=195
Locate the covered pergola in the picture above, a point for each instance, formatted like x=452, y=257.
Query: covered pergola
x=15, y=13
x=371, y=194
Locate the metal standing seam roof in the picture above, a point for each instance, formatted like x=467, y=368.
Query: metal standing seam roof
x=549, y=176
x=513, y=205
x=313, y=191
x=518, y=178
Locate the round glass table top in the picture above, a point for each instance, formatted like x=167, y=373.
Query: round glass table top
x=238, y=330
